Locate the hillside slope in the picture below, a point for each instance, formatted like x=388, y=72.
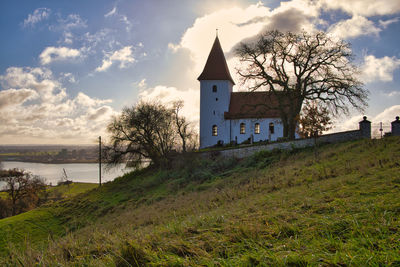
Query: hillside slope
x=275, y=208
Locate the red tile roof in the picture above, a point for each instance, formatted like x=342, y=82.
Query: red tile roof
x=247, y=105
x=216, y=67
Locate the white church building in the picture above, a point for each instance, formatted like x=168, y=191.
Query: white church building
x=227, y=116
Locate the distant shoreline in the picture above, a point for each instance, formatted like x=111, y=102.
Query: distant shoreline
x=49, y=162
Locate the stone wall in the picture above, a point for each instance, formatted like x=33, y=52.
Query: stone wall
x=242, y=152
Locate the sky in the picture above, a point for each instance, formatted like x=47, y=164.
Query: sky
x=68, y=67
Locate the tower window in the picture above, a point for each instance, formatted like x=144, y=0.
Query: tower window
x=271, y=128
x=214, y=112
x=214, y=88
x=257, y=128
x=242, y=128
x=214, y=130
x=216, y=99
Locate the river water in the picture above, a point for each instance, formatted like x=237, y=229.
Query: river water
x=77, y=172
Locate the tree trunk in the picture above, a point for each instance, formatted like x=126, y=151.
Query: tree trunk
x=14, y=208
x=289, y=127
x=293, y=118
x=292, y=128
x=289, y=118
x=183, y=145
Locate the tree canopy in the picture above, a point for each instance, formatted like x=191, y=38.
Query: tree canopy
x=24, y=190
x=148, y=132
x=302, y=67
x=314, y=119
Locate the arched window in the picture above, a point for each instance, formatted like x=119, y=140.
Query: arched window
x=214, y=88
x=214, y=130
x=242, y=128
x=257, y=128
x=271, y=128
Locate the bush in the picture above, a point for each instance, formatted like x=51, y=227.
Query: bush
x=5, y=210
x=24, y=190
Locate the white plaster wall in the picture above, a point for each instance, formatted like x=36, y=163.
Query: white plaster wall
x=246, y=151
x=212, y=111
x=250, y=126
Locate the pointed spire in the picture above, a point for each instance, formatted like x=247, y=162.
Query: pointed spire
x=216, y=67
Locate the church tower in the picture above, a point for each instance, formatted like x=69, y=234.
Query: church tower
x=215, y=91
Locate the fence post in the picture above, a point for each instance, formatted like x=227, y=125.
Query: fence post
x=365, y=128
x=396, y=127
x=99, y=160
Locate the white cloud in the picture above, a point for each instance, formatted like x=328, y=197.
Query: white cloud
x=112, y=12
x=69, y=77
x=198, y=38
x=167, y=95
x=38, y=15
x=364, y=7
x=68, y=37
x=237, y=24
x=379, y=69
x=142, y=83
x=66, y=25
x=12, y=97
x=121, y=18
x=126, y=21
x=295, y=16
x=52, y=53
x=354, y=27
x=72, y=21
x=388, y=115
x=100, y=113
x=386, y=23
x=393, y=94
x=84, y=100
x=93, y=42
x=346, y=124
x=123, y=56
x=37, y=79
x=35, y=108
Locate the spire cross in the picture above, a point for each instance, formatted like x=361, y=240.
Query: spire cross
x=217, y=31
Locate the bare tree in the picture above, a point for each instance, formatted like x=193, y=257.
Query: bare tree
x=24, y=189
x=302, y=67
x=146, y=131
x=184, y=130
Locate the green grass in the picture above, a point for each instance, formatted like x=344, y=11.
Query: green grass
x=73, y=189
x=35, y=227
x=276, y=208
x=64, y=191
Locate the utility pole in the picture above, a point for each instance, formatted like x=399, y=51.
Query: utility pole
x=381, y=130
x=99, y=160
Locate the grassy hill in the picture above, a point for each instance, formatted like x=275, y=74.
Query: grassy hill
x=63, y=191
x=275, y=208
